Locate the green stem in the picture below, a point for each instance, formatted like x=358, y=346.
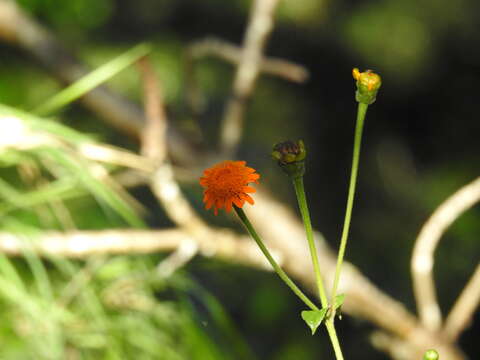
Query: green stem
x=302, y=204
x=329, y=324
x=271, y=260
x=334, y=339
x=362, y=110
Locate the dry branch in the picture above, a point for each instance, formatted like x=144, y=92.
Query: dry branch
x=425, y=245
x=462, y=312
x=222, y=244
x=258, y=29
x=233, y=54
x=153, y=137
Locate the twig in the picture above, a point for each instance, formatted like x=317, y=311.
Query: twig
x=231, y=53
x=212, y=46
x=162, y=181
x=153, y=139
x=115, y=156
x=222, y=244
x=461, y=314
x=413, y=349
x=177, y=259
x=425, y=245
x=259, y=28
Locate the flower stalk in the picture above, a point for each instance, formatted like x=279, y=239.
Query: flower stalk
x=243, y=217
x=291, y=158
x=362, y=110
x=302, y=204
x=367, y=84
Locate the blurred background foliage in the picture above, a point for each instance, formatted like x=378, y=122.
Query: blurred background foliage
x=420, y=146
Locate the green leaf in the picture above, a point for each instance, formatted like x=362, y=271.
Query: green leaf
x=338, y=304
x=314, y=318
x=339, y=301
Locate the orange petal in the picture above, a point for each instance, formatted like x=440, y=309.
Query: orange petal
x=238, y=202
x=249, y=189
x=249, y=199
x=228, y=205
x=209, y=204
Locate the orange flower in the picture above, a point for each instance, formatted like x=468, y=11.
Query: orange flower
x=226, y=183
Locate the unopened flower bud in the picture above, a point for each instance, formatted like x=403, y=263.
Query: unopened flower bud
x=368, y=84
x=290, y=157
x=431, y=355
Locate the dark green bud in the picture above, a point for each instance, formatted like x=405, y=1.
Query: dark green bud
x=290, y=157
x=368, y=84
x=431, y=355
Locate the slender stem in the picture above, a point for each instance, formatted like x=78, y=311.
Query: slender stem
x=302, y=204
x=362, y=110
x=334, y=339
x=329, y=324
x=271, y=260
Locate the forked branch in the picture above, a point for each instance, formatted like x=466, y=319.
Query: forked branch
x=258, y=29
x=425, y=245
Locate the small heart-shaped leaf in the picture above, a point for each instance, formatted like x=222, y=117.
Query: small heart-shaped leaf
x=339, y=301
x=314, y=318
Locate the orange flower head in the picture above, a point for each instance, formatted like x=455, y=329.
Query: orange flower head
x=226, y=183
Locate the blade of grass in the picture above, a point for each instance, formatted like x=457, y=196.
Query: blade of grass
x=92, y=80
x=9, y=271
x=38, y=124
x=100, y=191
x=14, y=199
x=225, y=324
x=40, y=275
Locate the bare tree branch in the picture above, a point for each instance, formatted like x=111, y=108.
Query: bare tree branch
x=461, y=314
x=258, y=29
x=115, y=156
x=425, y=245
x=81, y=244
x=162, y=181
x=233, y=54
x=153, y=137
x=215, y=47
x=414, y=348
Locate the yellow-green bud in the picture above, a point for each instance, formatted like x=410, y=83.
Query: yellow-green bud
x=431, y=355
x=290, y=157
x=368, y=84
